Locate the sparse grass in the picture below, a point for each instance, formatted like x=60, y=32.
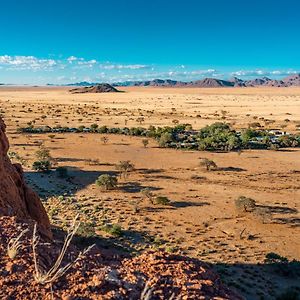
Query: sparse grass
x=245, y=204
x=56, y=271
x=115, y=229
x=14, y=245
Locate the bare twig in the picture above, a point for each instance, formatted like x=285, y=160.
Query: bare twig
x=241, y=234
x=147, y=291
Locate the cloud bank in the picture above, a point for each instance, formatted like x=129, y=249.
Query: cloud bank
x=35, y=70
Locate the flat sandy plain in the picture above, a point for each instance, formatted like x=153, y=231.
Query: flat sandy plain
x=201, y=221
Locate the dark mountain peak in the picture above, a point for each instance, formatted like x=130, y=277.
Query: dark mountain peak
x=211, y=82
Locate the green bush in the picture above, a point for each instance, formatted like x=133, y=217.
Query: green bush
x=162, y=200
x=86, y=230
x=107, y=182
x=218, y=136
x=165, y=139
x=94, y=127
x=115, y=229
x=43, y=154
x=42, y=165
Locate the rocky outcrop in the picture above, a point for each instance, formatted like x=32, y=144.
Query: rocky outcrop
x=16, y=198
x=99, y=88
x=104, y=274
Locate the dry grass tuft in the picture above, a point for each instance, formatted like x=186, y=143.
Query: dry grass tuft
x=57, y=270
x=14, y=245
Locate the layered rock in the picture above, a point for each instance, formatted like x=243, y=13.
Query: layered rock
x=16, y=198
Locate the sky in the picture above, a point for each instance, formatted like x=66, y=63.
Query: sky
x=62, y=41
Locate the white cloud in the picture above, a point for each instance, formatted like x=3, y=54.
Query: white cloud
x=26, y=63
x=258, y=73
x=120, y=67
x=89, y=63
x=72, y=58
x=68, y=69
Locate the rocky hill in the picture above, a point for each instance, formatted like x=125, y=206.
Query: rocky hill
x=211, y=82
x=99, y=88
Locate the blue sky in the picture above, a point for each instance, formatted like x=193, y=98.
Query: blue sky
x=67, y=41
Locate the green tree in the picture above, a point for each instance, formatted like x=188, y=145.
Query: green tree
x=165, y=139
x=107, y=182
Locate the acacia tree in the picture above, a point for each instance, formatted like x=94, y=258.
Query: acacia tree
x=140, y=120
x=148, y=194
x=43, y=154
x=44, y=160
x=94, y=127
x=124, y=167
x=104, y=140
x=145, y=142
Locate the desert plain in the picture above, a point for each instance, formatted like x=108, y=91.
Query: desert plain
x=201, y=220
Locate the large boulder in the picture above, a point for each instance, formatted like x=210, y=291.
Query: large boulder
x=16, y=198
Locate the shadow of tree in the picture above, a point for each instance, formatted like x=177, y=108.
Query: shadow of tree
x=231, y=169
x=136, y=187
x=163, y=177
x=262, y=280
x=278, y=209
x=293, y=221
x=266, y=280
x=49, y=184
x=182, y=204
x=149, y=171
x=69, y=159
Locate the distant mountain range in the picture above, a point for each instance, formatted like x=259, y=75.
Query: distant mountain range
x=293, y=80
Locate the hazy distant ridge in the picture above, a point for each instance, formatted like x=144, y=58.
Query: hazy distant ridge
x=293, y=80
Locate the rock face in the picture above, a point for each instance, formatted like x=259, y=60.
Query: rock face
x=16, y=198
x=99, y=88
x=293, y=80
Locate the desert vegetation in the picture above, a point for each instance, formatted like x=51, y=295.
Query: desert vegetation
x=219, y=184
x=218, y=136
